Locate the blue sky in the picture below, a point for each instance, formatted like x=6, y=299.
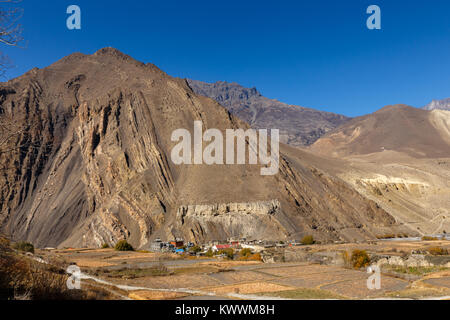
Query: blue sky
x=316, y=54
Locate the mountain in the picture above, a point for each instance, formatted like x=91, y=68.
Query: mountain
x=438, y=104
x=400, y=128
x=91, y=164
x=298, y=126
x=398, y=157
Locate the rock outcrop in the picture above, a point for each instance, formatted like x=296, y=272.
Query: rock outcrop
x=443, y=104
x=221, y=221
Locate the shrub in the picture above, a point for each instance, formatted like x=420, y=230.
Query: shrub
x=360, y=259
x=347, y=260
x=195, y=249
x=105, y=246
x=24, y=246
x=23, y=278
x=438, y=251
x=245, y=252
x=255, y=257
x=428, y=238
x=246, y=255
x=209, y=253
x=123, y=245
x=5, y=244
x=307, y=240
x=386, y=236
x=229, y=252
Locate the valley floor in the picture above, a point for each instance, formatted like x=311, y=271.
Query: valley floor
x=156, y=276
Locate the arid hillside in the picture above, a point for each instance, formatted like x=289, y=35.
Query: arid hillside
x=399, y=157
x=91, y=164
x=415, y=132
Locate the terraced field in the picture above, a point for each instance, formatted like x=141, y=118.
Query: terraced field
x=141, y=275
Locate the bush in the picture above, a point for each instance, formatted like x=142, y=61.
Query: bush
x=245, y=252
x=195, y=249
x=24, y=246
x=346, y=259
x=307, y=240
x=22, y=278
x=105, y=246
x=246, y=255
x=229, y=252
x=360, y=259
x=209, y=253
x=438, y=251
x=5, y=244
x=255, y=257
x=386, y=236
x=123, y=245
x=428, y=238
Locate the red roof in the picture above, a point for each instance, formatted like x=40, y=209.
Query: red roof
x=223, y=246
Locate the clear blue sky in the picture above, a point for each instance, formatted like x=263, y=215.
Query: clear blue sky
x=316, y=54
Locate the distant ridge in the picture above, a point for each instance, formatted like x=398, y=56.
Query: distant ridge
x=398, y=128
x=443, y=104
x=298, y=126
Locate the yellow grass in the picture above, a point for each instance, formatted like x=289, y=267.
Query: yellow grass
x=249, y=288
x=225, y=264
x=134, y=256
x=88, y=263
x=156, y=295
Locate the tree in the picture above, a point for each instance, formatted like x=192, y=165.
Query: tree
x=9, y=131
x=308, y=240
x=10, y=35
x=123, y=245
x=195, y=249
x=10, y=29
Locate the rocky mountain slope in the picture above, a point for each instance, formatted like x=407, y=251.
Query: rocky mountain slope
x=298, y=126
x=399, y=157
x=91, y=164
x=443, y=104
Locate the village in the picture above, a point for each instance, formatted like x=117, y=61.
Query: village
x=239, y=268
x=223, y=249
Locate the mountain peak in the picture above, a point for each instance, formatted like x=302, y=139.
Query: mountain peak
x=394, y=107
x=443, y=104
x=115, y=53
x=110, y=51
x=399, y=128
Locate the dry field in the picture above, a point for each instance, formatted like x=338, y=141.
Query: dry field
x=141, y=275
